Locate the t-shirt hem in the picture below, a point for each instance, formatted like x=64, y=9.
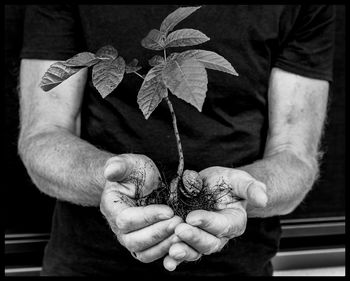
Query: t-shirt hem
x=304, y=71
x=46, y=55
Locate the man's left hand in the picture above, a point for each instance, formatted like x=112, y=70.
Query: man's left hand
x=207, y=232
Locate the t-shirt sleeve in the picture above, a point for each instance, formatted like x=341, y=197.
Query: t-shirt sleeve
x=51, y=32
x=308, y=49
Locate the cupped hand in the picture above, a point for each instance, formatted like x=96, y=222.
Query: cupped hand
x=145, y=231
x=207, y=232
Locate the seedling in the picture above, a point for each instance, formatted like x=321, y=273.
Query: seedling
x=181, y=74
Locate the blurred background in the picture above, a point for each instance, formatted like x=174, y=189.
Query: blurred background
x=313, y=239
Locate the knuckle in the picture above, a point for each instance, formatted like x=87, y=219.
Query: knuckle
x=193, y=237
x=223, y=242
x=207, y=223
x=121, y=222
x=241, y=226
x=212, y=248
x=121, y=240
x=196, y=239
x=216, y=247
x=238, y=227
x=228, y=231
x=148, y=218
x=157, y=236
x=128, y=243
x=240, y=230
x=208, y=252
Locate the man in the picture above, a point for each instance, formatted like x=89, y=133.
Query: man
x=259, y=132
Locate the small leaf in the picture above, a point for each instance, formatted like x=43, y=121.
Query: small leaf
x=185, y=37
x=107, y=52
x=132, y=66
x=133, y=63
x=210, y=60
x=173, y=56
x=107, y=74
x=175, y=17
x=187, y=79
x=56, y=74
x=152, y=91
x=85, y=59
x=156, y=60
x=154, y=40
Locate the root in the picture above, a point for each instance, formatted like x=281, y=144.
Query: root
x=207, y=199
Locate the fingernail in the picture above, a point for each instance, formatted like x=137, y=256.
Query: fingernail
x=172, y=226
x=180, y=255
x=171, y=267
x=163, y=216
x=263, y=198
x=175, y=239
x=187, y=234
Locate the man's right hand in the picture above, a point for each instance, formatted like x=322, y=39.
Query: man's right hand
x=147, y=231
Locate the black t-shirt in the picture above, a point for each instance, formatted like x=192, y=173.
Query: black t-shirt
x=230, y=131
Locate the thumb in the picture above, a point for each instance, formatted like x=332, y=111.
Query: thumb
x=256, y=194
x=117, y=169
x=246, y=187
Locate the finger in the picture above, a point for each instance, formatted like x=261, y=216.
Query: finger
x=169, y=263
x=179, y=253
x=135, y=218
x=156, y=252
x=147, y=237
x=182, y=252
x=117, y=168
x=114, y=202
x=230, y=222
x=246, y=187
x=202, y=241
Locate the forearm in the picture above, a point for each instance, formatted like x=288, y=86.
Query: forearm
x=64, y=166
x=288, y=179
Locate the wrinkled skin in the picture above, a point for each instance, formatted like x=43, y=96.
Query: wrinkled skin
x=207, y=232
x=145, y=231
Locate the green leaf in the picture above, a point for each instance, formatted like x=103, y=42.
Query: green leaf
x=108, y=52
x=175, y=17
x=152, y=91
x=154, y=40
x=56, y=74
x=187, y=79
x=107, y=74
x=85, y=59
x=155, y=60
x=185, y=37
x=132, y=66
x=210, y=60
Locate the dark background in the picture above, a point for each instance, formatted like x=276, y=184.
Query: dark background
x=29, y=211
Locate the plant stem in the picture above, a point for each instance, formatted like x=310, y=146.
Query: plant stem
x=178, y=140
x=180, y=169
x=138, y=74
x=173, y=198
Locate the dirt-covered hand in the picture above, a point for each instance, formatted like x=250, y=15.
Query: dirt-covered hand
x=207, y=232
x=145, y=231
